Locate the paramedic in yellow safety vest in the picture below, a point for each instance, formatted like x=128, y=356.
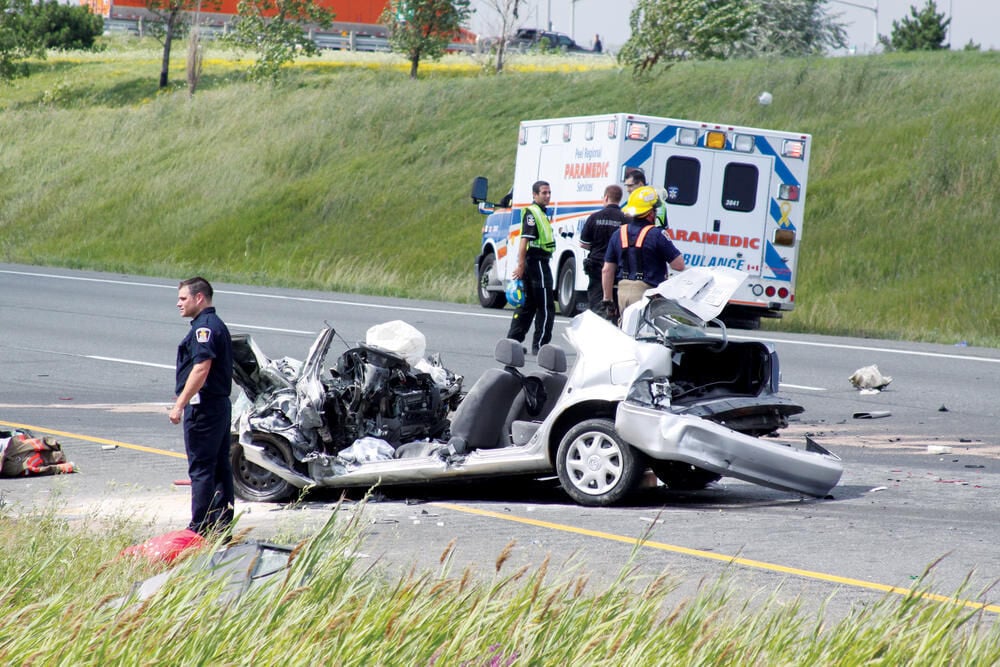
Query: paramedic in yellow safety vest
x=636, y=178
x=639, y=254
x=534, y=249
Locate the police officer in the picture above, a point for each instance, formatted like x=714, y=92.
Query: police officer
x=534, y=250
x=639, y=254
x=203, y=384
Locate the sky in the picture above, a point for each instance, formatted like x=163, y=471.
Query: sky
x=582, y=19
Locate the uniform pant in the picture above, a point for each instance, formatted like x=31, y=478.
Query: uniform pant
x=629, y=292
x=207, y=441
x=595, y=289
x=539, y=304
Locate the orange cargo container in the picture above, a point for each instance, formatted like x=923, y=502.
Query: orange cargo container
x=347, y=11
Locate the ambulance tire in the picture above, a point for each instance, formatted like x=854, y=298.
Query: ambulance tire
x=487, y=297
x=566, y=294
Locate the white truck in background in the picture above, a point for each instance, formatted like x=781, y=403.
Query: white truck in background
x=735, y=197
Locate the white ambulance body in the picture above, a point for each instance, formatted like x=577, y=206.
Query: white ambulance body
x=735, y=197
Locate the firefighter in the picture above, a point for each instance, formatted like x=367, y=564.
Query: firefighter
x=639, y=254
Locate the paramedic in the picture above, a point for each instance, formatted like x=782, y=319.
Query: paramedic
x=534, y=250
x=636, y=178
x=639, y=254
x=597, y=230
x=203, y=384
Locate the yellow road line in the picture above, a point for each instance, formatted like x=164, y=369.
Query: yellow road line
x=697, y=553
x=100, y=441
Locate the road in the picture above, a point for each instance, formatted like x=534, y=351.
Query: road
x=88, y=358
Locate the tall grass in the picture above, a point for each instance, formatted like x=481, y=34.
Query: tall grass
x=60, y=586
x=350, y=176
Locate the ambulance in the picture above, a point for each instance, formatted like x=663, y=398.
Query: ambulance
x=735, y=196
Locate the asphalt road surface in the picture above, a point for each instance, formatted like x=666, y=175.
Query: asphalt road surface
x=88, y=358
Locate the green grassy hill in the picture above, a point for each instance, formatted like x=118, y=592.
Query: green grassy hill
x=350, y=176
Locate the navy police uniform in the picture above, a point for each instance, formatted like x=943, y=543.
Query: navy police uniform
x=539, y=292
x=597, y=232
x=207, y=421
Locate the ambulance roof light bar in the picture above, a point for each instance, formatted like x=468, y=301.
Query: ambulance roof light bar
x=795, y=148
x=687, y=136
x=636, y=131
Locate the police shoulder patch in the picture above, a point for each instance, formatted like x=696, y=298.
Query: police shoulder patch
x=202, y=334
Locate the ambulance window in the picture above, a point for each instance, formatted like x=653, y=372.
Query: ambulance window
x=739, y=187
x=681, y=181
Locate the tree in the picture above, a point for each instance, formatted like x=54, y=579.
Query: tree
x=171, y=15
x=17, y=41
x=61, y=26
x=506, y=11
x=670, y=30
x=921, y=31
x=792, y=28
x=423, y=28
x=273, y=28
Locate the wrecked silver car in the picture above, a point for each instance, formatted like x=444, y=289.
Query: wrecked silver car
x=660, y=393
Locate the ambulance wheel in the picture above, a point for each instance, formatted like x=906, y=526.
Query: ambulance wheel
x=566, y=288
x=596, y=467
x=255, y=484
x=487, y=297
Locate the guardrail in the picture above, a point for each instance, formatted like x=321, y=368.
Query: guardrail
x=339, y=41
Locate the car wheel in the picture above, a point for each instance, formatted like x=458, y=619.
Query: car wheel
x=487, y=297
x=596, y=467
x=566, y=294
x=680, y=476
x=253, y=483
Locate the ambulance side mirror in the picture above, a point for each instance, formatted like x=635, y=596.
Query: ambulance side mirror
x=480, y=188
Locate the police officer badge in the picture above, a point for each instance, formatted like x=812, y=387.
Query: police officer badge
x=203, y=334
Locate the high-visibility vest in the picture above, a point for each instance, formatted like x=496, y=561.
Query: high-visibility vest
x=632, y=254
x=544, y=241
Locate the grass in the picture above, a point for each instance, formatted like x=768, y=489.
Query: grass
x=349, y=176
x=57, y=580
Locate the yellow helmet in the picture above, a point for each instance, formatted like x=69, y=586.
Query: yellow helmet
x=641, y=201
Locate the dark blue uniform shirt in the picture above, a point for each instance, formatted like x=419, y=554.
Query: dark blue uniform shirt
x=207, y=339
x=652, y=258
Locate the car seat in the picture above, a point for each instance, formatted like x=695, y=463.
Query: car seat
x=552, y=374
x=479, y=419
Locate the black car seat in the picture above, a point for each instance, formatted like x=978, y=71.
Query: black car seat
x=479, y=419
x=552, y=374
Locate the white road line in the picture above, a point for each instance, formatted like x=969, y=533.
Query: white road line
x=800, y=386
x=915, y=353
x=120, y=361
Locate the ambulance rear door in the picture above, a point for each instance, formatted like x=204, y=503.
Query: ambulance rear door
x=717, y=204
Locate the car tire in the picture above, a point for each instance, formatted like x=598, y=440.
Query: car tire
x=596, y=467
x=680, y=476
x=566, y=295
x=255, y=484
x=487, y=297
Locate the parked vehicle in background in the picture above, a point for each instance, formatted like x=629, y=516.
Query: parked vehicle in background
x=526, y=39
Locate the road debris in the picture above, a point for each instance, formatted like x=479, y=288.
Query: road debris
x=874, y=414
x=869, y=378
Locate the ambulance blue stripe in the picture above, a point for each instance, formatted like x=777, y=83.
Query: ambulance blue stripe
x=644, y=153
x=780, y=168
x=777, y=265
